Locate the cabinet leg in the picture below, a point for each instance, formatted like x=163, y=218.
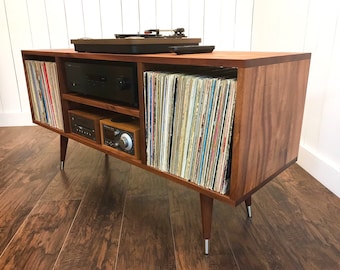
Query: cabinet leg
x=63, y=148
x=206, y=213
x=248, y=206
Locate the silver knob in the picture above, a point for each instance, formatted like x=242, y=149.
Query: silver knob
x=125, y=142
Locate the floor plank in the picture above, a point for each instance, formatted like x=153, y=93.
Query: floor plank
x=73, y=181
x=15, y=139
x=186, y=222
x=102, y=213
x=146, y=238
x=94, y=237
x=24, y=178
x=38, y=241
x=16, y=203
x=301, y=223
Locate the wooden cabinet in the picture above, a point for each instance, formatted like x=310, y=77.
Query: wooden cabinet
x=271, y=89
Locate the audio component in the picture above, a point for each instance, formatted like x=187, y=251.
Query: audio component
x=152, y=41
x=85, y=124
x=122, y=136
x=111, y=81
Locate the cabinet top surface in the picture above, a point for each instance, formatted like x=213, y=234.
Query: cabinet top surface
x=216, y=58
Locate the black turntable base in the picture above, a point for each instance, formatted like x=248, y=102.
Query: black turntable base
x=132, y=45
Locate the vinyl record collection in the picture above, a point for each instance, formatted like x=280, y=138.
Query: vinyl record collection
x=189, y=121
x=44, y=92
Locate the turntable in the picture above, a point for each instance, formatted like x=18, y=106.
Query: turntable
x=152, y=41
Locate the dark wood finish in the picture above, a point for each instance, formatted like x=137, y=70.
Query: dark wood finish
x=269, y=108
x=271, y=90
x=102, y=213
x=21, y=185
x=248, y=201
x=101, y=104
x=63, y=149
x=148, y=239
x=206, y=213
x=185, y=216
x=268, y=119
x=215, y=59
x=188, y=184
x=93, y=240
x=140, y=69
x=66, y=106
x=48, y=220
x=105, y=149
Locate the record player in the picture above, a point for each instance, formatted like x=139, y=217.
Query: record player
x=152, y=41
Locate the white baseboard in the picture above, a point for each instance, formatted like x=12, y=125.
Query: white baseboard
x=320, y=168
x=15, y=119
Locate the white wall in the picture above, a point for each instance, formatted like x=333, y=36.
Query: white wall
x=310, y=26
x=257, y=25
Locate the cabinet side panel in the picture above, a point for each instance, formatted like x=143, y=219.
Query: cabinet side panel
x=63, y=89
x=268, y=119
x=140, y=70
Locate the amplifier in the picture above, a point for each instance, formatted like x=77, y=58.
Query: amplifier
x=112, y=81
x=85, y=124
x=122, y=136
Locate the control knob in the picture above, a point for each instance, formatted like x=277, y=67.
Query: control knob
x=116, y=132
x=125, y=142
x=123, y=83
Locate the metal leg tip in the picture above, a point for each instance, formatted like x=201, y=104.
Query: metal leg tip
x=249, y=211
x=61, y=165
x=206, y=246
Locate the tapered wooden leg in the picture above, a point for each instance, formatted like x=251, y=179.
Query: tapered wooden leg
x=63, y=148
x=206, y=213
x=248, y=206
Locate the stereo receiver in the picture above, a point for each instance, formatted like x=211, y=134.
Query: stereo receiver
x=85, y=124
x=112, y=81
x=122, y=136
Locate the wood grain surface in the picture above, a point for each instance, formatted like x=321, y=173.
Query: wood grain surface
x=268, y=119
x=102, y=213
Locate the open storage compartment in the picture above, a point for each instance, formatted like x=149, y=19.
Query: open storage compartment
x=268, y=111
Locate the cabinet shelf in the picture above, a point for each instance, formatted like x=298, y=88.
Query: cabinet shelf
x=101, y=104
x=47, y=126
x=138, y=163
x=106, y=150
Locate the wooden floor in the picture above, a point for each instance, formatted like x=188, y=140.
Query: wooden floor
x=101, y=213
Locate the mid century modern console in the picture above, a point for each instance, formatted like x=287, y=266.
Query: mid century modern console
x=268, y=111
